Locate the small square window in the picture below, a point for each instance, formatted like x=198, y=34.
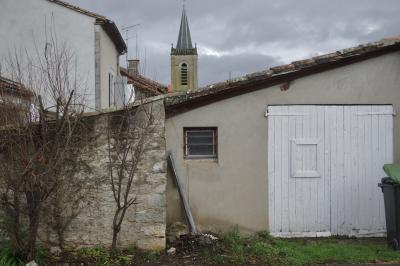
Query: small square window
x=200, y=143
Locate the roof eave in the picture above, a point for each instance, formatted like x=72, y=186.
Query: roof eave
x=113, y=32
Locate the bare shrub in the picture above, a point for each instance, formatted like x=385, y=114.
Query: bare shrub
x=128, y=134
x=41, y=140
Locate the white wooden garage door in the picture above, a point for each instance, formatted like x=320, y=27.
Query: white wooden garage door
x=324, y=164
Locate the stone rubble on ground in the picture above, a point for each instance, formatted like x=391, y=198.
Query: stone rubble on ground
x=207, y=239
x=55, y=251
x=176, y=230
x=171, y=251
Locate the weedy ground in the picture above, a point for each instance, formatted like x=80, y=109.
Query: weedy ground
x=233, y=249
x=262, y=249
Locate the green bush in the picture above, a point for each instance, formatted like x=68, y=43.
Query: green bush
x=9, y=257
x=241, y=250
x=102, y=256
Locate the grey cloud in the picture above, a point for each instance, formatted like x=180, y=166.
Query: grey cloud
x=234, y=66
x=262, y=32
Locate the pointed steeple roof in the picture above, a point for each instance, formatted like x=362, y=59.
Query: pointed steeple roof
x=184, y=39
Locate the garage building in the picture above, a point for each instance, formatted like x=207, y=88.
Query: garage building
x=296, y=150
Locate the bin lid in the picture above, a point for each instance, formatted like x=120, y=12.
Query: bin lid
x=393, y=171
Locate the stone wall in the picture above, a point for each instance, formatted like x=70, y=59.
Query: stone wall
x=145, y=222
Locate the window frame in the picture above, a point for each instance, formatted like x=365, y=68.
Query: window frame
x=111, y=89
x=186, y=154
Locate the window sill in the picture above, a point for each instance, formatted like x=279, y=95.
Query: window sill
x=201, y=159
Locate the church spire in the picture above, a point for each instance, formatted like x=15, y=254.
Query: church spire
x=184, y=39
x=184, y=59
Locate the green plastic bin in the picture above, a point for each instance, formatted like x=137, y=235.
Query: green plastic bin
x=391, y=194
x=393, y=172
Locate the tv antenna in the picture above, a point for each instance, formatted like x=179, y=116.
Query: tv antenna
x=127, y=29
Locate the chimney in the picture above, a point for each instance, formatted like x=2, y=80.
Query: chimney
x=133, y=67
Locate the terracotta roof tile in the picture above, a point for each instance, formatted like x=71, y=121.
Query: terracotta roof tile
x=12, y=87
x=282, y=68
x=145, y=84
x=326, y=58
x=304, y=63
x=261, y=74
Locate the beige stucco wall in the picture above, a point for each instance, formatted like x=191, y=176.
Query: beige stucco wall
x=25, y=28
x=232, y=192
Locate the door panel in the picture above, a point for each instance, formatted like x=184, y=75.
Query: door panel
x=297, y=191
x=324, y=165
x=357, y=204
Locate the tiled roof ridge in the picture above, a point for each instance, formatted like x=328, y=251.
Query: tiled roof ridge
x=145, y=82
x=313, y=61
x=14, y=86
x=151, y=84
x=80, y=10
x=9, y=81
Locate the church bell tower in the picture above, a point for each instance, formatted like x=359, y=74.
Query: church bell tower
x=184, y=60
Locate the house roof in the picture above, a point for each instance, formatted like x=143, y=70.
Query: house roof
x=284, y=74
x=109, y=26
x=144, y=84
x=11, y=87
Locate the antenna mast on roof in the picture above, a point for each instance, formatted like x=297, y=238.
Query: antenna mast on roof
x=127, y=29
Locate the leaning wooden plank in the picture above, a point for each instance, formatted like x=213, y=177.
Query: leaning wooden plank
x=182, y=195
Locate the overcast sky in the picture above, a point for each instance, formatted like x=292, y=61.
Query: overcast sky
x=244, y=36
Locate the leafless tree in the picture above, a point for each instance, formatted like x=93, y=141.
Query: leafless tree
x=41, y=139
x=72, y=195
x=129, y=131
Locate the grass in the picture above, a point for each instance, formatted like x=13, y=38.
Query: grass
x=305, y=252
x=263, y=249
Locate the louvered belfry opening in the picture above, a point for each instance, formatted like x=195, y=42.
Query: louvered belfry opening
x=184, y=74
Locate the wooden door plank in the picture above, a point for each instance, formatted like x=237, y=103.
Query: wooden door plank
x=271, y=171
